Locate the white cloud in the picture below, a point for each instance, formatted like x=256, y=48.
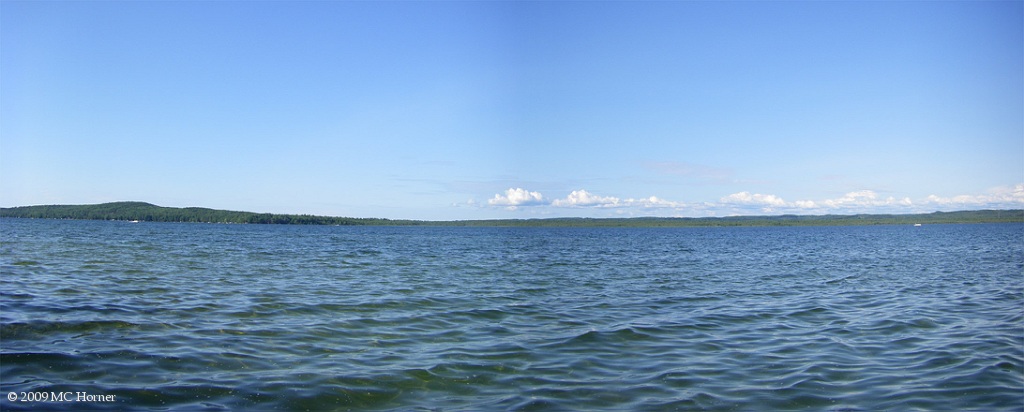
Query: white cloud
x=583, y=198
x=998, y=196
x=850, y=202
x=805, y=204
x=754, y=199
x=858, y=198
x=517, y=197
x=655, y=202
x=861, y=201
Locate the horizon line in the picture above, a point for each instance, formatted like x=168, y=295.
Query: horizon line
x=775, y=216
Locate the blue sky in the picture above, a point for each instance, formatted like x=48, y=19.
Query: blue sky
x=471, y=110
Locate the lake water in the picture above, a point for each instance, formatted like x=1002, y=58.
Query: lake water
x=183, y=317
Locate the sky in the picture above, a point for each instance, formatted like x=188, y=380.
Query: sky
x=480, y=110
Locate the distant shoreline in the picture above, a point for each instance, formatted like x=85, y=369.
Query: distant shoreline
x=146, y=212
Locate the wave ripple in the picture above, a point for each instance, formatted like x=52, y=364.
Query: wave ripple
x=208, y=317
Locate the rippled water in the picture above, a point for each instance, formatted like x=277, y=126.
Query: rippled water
x=211, y=317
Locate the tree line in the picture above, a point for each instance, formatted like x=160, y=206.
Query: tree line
x=147, y=212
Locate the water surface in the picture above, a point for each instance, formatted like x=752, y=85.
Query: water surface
x=229, y=317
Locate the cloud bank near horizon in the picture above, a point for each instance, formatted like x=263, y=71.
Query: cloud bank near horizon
x=861, y=201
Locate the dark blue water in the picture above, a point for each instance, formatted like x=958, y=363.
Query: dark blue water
x=160, y=316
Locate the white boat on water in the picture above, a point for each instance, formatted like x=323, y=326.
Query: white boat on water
x=133, y=221
x=917, y=225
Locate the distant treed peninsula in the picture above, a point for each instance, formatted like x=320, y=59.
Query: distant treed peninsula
x=146, y=212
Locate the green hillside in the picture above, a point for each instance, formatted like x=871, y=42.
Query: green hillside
x=147, y=212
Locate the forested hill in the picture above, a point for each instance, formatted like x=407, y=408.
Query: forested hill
x=146, y=212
